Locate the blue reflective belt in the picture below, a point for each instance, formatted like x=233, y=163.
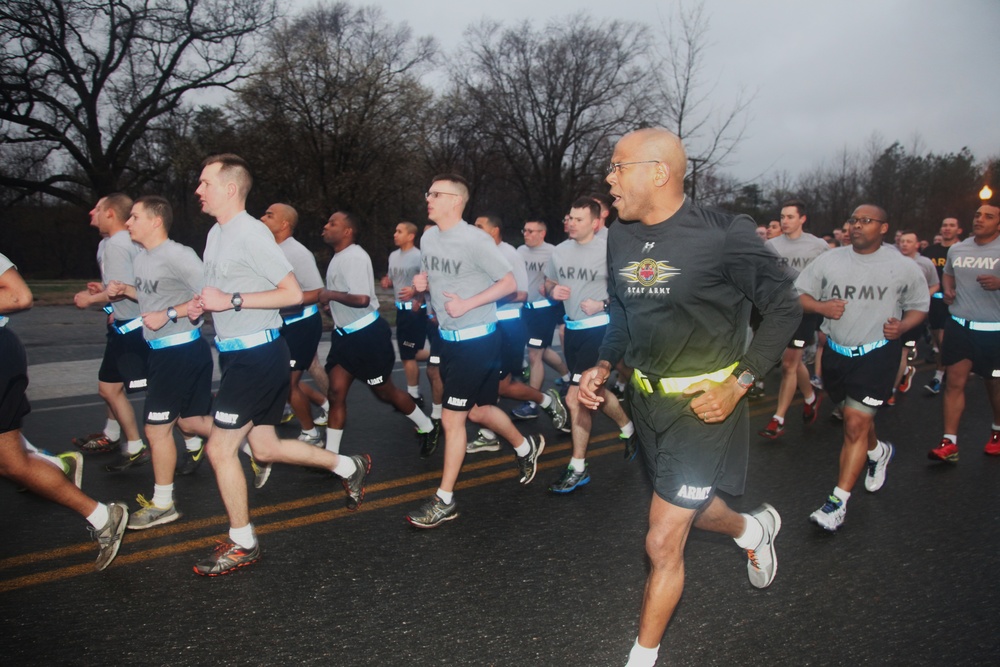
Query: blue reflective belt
x=509, y=314
x=357, y=324
x=598, y=320
x=308, y=311
x=859, y=351
x=174, y=339
x=407, y=305
x=469, y=333
x=541, y=303
x=977, y=326
x=246, y=342
x=108, y=308
x=937, y=295
x=4, y=321
x=128, y=327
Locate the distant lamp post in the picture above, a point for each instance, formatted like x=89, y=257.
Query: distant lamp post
x=985, y=193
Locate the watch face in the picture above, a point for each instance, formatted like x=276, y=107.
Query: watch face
x=745, y=379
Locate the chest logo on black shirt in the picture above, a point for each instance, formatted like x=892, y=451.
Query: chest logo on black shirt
x=648, y=272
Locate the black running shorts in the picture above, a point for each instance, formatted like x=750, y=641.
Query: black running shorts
x=470, y=370
x=411, y=332
x=540, y=324
x=254, y=386
x=514, y=338
x=868, y=379
x=125, y=359
x=582, y=348
x=13, y=381
x=982, y=348
x=366, y=354
x=180, y=382
x=303, y=338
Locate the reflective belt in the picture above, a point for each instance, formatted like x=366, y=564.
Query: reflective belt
x=469, y=333
x=598, y=320
x=937, y=295
x=977, y=326
x=308, y=311
x=128, y=327
x=4, y=321
x=407, y=305
x=509, y=314
x=357, y=324
x=174, y=339
x=859, y=351
x=246, y=342
x=108, y=308
x=676, y=385
x=541, y=303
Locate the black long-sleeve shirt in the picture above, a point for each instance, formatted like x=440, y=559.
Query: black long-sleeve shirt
x=681, y=293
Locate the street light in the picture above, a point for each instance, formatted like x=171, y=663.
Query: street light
x=985, y=193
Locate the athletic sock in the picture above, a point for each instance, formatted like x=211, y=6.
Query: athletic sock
x=952, y=437
x=244, y=536
x=566, y=378
x=193, y=444
x=333, y=436
x=523, y=449
x=808, y=402
x=488, y=434
x=245, y=448
x=326, y=406
x=413, y=391
x=112, y=429
x=938, y=375
x=546, y=401
x=345, y=467
x=996, y=427
x=841, y=494
x=628, y=430
x=99, y=517
x=422, y=421
x=620, y=385
x=134, y=447
x=163, y=495
x=640, y=656
x=436, y=409
x=446, y=496
x=780, y=420
x=312, y=433
x=579, y=465
x=753, y=533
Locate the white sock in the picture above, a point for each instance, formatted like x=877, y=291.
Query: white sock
x=840, y=493
x=244, y=536
x=134, y=447
x=810, y=401
x=99, y=517
x=345, y=467
x=192, y=444
x=579, y=465
x=565, y=378
x=781, y=420
x=446, y=496
x=546, y=401
x=333, y=436
x=413, y=391
x=312, y=433
x=996, y=427
x=628, y=430
x=488, y=434
x=938, y=375
x=620, y=385
x=326, y=406
x=422, y=421
x=640, y=656
x=436, y=409
x=753, y=533
x=112, y=429
x=245, y=448
x=952, y=437
x=523, y=449
x=878, y=452
x=163, y=495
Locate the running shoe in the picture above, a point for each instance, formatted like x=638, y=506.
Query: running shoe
x=992, y=445
x=96, y=443
x=831, y=515
x=757, y=390
x=109, y=538
x=227, y=557
x=525, y=411
x=762, y=561
x=631, y=445
x=557, y=411
x=429, y=440
x=287, y=414
x=837, y=414
x=322, y=419
x=483, y=444
x=124, y=462
x=891, y=401
x=261, y=473
x=570, y=479
x=528, y=464
x=875, y=477
x=192, y=459
x=946, y=451
x=907, y=381
x=934, y=386
x=149, y=515
x=773, y=429
x=73, y=467
x=314, y=440
x=811, y=410
x=433, y=513
x=355, y=484
x=817, y=382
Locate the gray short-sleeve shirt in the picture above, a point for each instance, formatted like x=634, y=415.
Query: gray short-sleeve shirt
x=116, y=259
x=168, y=275
x=350, y=271
x=583, y=268
x=966, y=262
x=303, y=264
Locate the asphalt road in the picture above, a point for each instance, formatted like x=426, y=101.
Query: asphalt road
x=522, y=577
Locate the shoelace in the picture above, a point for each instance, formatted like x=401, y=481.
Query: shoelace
x=832, y=504
x=752, y=555
x=143, y=503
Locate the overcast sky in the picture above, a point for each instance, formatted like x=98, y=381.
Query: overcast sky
x=827, y=74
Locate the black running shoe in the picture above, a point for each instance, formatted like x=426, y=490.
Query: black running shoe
x=192, y=459
x=429, y=441
x=125, y=462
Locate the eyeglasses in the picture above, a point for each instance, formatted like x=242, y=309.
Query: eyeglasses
x=616, y=166
x=435, y=195
x=530, y=231
x=863, y=221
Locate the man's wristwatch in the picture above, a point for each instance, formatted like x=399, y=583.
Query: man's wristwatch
x=172, y=314
x=237, y=301
x=744, y=377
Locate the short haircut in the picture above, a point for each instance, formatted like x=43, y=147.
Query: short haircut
x=234, y=168
x=493, y=220
x=901, y=232
x=158, y=207
x=799, y=205
x=353, y=222
x=463, y=185
x=588, y=203
x=409, y=226
x=605, y=200
x=120, y=204
x=537, y=221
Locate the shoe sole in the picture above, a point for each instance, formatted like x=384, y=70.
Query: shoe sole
x=425, y=526
x=226, y=571
x=166, y=518
x=523, y=419
x=583, y=482
x=947, y=459
x=770, y=436
x=126, y=466
x=816, y=522
x=931, y=391
x=487, y=448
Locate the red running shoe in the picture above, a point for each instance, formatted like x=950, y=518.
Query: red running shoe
x=907, y=380
x=773, y=429
x=993, y=446
x=811, y=410
x=946, y=451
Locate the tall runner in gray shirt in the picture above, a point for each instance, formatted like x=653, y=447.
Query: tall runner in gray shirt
x=167, y=276
x=870, y=296
x=971, y=342
x=247, y=281
x=466, y=275
x=681, y=282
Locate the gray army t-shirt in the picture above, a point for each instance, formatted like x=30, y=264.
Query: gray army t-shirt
x=583, y=268
x=350, y=271
x=303, y=264
x=168, y=275
x=966, y=262
x=535, y=260
x=116, y=259
x=519, y=271
x=796, y=254
x=402, y=267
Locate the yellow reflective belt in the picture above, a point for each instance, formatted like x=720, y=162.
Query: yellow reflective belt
x=677, y=385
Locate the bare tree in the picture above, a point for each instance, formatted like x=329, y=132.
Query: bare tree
x=84, y=84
